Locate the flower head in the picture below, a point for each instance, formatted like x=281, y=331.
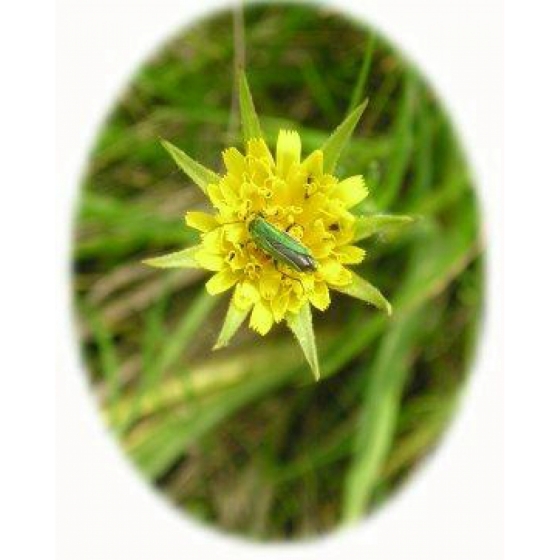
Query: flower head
x=303, y=210
x=295, y=196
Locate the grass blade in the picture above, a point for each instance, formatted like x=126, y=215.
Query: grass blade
x=402, y=147
x=320, y=92
x=156, y=453
x=153, y=335
x=108, y=359
x=380, y=409
x=182, y=333
x=358, y=92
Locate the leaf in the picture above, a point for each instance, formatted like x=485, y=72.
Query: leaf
x=213, y=375
x=247, y=385
x=249, y=118
x=402, y=145
x=155, y=451
x=153, y=336
x=337, y=140
x=124, y=226
x=234, y=319
x=366, y=226
x=379, y=413
x=108, y=359
x=321, y=93
x=185, y=330
x=301, y=325
x=362, y=76
x=178, y=259
x=201, y=175
x=362, y=289
x=109, y=363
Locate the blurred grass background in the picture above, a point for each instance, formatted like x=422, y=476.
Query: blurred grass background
x=242, y=438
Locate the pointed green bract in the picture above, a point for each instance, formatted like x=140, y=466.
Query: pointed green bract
x=249, y=118
x=179, y=259
x=336, y=142
x=201, y=175
x=362, y=289
x=367, y=226
x=301, y=324
x=234, y=319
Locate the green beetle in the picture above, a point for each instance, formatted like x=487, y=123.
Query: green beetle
x=281, y=246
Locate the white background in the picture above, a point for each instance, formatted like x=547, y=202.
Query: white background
x=452, y=510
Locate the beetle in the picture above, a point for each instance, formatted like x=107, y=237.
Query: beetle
x=281, y=246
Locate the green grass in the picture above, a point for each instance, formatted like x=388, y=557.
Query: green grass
x=242, y=437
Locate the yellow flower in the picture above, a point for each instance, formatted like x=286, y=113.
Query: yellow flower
x=298, y=197
x=295, y=196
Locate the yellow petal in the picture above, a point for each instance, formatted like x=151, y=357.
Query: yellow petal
x=279, y=306
x=258, y=171
x=258, y=149
x=269, y=284
x=215, y=194
x=294, y=303
x=319, y=297
x=308, y=281
x=221, y=282
x=212, y=240
x=245, y=295
x=236, y=259
x=209, y=260
x=317, y=204
x=334, y=273
x=261, y=318
x=351, y=191
x=313, y=163
x=201, y=221
x=234, y=161
x=323, y=249
x=288, y=151
x=229, y=187
x=235, y=233
x=350, y=254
